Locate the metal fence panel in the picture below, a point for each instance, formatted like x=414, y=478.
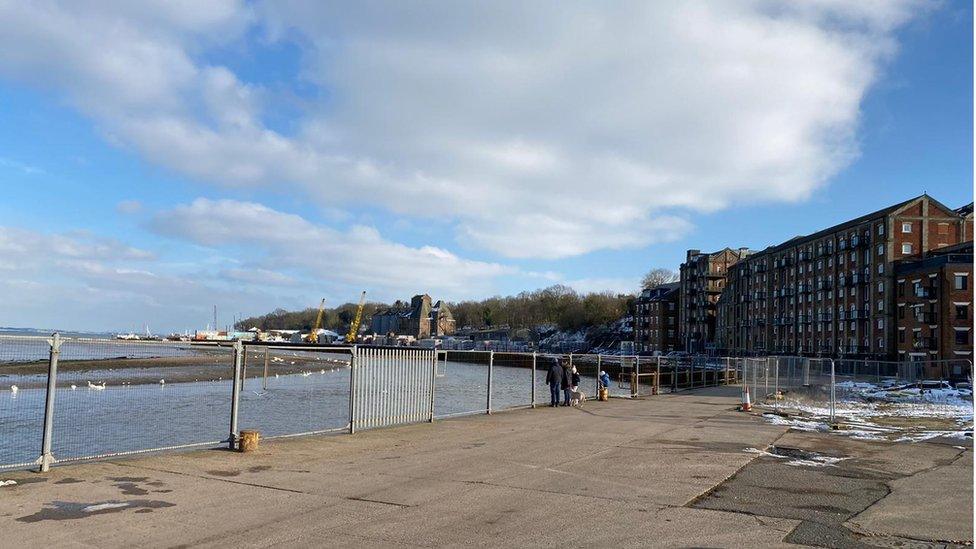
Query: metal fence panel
x=462, y=384
x=114, y=398
x=23, y=377
x=392, y=386
x=288, y=391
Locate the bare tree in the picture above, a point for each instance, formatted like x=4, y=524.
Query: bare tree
x=658, y=276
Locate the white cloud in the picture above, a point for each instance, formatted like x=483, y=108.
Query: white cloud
x=620, y=285
x=358, y=256
x=541, y=129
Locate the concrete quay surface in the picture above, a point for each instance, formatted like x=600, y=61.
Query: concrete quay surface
x=665, y=471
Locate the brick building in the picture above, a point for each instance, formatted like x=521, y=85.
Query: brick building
x=934, y=307
x=702, y=279
x=656, y=320
x=420, y=319
x=832, y=293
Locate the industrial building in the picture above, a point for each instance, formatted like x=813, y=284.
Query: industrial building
x=862, y=289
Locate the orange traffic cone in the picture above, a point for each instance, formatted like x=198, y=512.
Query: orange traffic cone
x=746, y=405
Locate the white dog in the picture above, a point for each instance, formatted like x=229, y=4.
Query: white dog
x=577, y=397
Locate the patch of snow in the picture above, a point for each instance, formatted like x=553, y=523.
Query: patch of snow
x=104, y=506
x=7, y=483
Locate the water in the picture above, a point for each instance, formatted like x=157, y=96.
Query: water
x=126, y=418
x=20, y=349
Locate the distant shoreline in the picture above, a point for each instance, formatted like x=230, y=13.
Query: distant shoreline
x=145, y=371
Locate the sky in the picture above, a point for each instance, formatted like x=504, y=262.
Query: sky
x=159, y=159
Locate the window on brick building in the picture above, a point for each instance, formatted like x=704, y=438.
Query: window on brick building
x=880, y=228
x=880, y=343
x=962, y=312
x=900, y=288
x=901, y=336
x=962, y=336
x=880, y=304
x=880, y=268
x=960, y=281
x=880, y=287
x=906, y=248
x=906, y=227
x=901, y=311
x=880, y=249
x=880, y=323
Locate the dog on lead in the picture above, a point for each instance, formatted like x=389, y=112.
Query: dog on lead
x=577, y=397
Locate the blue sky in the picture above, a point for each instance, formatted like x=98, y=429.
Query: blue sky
x=258, y=155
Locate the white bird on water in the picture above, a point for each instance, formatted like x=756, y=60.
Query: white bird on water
x=306, y=374
x=162, y=382
x=73, y=386
x=14, y=389
x=96, y=387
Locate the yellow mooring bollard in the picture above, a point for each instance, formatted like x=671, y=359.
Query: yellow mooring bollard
x=249, y=440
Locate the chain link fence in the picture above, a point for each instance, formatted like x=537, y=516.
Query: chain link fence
x=825, y=388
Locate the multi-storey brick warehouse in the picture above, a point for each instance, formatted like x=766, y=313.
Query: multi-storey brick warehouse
x=934, y=309
x=656, y=320
x=831, y=293
x=702, y=279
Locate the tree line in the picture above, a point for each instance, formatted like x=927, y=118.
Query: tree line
x=525, y=315
x=556, y=307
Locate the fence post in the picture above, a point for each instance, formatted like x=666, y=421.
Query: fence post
x=352, y=391
x=235, y=393
x=433, y=386
x=47, y=458
x=491, y=366
x=243, y=366
x=657, y=375
x=776, y=388
x=533, y=379
x=267, y=355
x=833, y=392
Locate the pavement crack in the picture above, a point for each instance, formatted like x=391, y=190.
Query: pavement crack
x=368, y=500
x=538, y=490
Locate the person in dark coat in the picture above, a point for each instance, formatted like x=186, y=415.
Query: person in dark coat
x=567, y=383
x=555, y=378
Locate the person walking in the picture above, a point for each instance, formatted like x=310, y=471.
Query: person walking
x=567, y=382
x=554, y=378
x=574, y=380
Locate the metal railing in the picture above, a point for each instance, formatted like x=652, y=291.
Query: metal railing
x=71, y=399
x=64, y=400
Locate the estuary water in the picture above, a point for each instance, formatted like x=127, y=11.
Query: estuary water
x=90, y=421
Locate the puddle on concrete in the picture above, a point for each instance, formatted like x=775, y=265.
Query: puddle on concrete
x=219, y=473
x=128, y=479
x=131, y=489
x=69, y=480
x=69, y=510
x=258, y=468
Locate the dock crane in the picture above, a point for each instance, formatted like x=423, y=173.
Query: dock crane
x=354, y=327
x=314, y=336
